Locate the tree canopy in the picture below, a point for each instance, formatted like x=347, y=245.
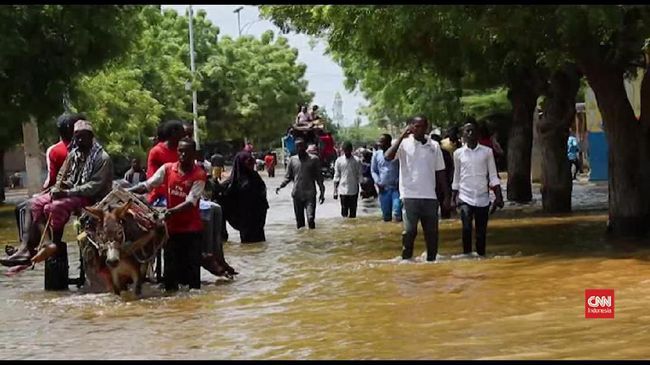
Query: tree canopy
x=44, y=47
x=247, y=87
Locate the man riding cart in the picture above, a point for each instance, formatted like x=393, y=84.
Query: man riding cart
x=84, y=179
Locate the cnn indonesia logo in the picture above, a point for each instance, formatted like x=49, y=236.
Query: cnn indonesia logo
x=599, y=303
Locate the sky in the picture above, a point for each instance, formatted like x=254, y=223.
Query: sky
x=325, y=76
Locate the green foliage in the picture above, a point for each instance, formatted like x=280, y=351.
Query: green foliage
x=407, y=60
x=129, y=98
x=246, y=87
x=252, y=88
x=124, y=114
x=480, y=105
x=359, y=134
x=43, y=47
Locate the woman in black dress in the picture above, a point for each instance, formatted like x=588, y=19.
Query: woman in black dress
x=244, y=199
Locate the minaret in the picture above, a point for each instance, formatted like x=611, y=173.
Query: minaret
x=337, y=109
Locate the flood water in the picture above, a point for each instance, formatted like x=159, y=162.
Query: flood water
x=341, y=292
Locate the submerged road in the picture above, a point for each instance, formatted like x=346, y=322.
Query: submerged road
x=341, y=292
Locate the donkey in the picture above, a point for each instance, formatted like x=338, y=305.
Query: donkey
x=113, y=228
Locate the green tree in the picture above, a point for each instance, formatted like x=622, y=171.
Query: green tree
x=533, y=50
x=124, y=114
x=606, y=43
x=442, y=47
x=252, y=87
x=246, y=87
x=44, y=47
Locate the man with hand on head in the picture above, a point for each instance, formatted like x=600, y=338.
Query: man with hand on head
x=421, y=166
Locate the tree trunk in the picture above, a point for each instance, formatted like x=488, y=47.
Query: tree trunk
x=32, y=156
x=536, y=158
x=644, y=163
x=553, y=130
x=2, y=176
x=523, y=98
x=628, y=208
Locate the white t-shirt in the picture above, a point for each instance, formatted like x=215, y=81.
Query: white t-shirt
x=474, y=169
x=418, y=164
x=303, y=117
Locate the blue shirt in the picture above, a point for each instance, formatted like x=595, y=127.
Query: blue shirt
x=572, y=148
x=385, y=173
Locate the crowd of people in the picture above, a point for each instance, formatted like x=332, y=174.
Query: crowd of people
x=177, y=178
x=413, y=177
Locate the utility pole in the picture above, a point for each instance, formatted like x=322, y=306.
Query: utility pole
x=192, y=68
x=238, y=20
x=239, y=29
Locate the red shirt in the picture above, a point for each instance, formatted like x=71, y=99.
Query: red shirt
x=485, y=141
x=159, y=155
x=55, y=156
x=178, y=188
x=269, y=161
x=328, y=145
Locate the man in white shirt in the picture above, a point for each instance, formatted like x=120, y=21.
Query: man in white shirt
x=474, y=170
x=420, y=166
x=302, y=119
x=347, y=177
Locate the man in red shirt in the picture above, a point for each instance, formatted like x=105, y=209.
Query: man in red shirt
x=185, y=182
x=329, y=152
x=270, y=162
x=56, y=153
x=165, y=151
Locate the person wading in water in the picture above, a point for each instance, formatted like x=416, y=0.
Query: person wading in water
x=245, y=203
x=474, y=170
x=304, y=171
x=347, y=177
x=420, y=166
x=184, y=181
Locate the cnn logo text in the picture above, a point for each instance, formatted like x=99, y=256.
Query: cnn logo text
x=599, y=303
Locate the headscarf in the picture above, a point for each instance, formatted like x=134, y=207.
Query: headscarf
x=244, y=179
x=244, y=193
x=240, y=172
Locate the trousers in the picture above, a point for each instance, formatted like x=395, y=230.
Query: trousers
x=390, y=203
x=349, y=205
x=468, y=214
x=426, y=212
x=300, y=205
x=183, y=260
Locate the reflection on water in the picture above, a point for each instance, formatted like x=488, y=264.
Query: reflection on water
x=341, y=292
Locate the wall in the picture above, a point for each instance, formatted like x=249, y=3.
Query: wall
x=597, y=142
x=14, y=160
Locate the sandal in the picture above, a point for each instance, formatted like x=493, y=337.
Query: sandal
x=11, y=262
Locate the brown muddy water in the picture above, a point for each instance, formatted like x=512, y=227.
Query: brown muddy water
x=341, y=292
